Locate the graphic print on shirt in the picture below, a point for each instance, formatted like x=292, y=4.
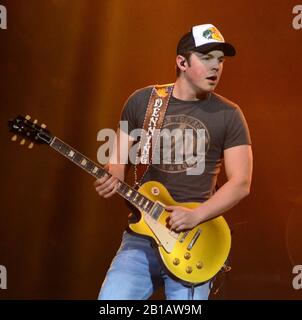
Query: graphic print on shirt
x=180, y=144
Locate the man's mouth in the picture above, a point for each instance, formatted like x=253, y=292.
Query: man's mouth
x=212, y=78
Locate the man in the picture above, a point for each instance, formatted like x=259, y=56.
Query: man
x=136, y=272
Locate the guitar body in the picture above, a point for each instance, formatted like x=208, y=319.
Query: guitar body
x=194, y=256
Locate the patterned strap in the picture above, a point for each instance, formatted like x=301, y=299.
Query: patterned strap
x=154, y=118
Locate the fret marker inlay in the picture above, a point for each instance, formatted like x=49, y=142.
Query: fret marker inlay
x=129, y=193
x=71, y=154
x=84, y=162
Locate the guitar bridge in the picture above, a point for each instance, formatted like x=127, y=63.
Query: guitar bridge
x=183, y=236
x=194, y=239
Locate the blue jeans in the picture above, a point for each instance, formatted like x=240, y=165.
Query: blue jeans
x=136, y=273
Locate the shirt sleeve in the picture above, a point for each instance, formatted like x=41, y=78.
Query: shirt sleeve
x=237, y=131
x=129, y=113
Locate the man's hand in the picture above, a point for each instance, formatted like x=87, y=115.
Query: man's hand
x=106, y=186
x=182, y=218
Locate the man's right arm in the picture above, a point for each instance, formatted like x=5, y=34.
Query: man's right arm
x=107, y=186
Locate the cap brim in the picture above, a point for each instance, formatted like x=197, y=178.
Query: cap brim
x=225, y=47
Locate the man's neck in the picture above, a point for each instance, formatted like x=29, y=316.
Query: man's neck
x=184, y=91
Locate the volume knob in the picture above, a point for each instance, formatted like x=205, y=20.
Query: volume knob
x=187, y=255
x=189, y=269
x=176, y=261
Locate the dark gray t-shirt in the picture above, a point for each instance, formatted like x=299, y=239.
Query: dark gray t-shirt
x=224, y=127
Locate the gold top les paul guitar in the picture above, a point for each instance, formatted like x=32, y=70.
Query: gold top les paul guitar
x=193, y=256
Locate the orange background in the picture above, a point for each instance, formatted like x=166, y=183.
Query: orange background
x=71, y=65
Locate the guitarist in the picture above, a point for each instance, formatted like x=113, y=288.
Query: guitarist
x=136, y=271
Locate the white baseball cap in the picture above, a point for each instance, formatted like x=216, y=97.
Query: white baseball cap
x=204, y=38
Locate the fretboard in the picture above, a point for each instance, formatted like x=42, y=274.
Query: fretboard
x=124, y=190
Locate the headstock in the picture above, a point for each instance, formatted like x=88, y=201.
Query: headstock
x=28, y=130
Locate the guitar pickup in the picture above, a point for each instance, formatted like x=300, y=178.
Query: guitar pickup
x=156, y=211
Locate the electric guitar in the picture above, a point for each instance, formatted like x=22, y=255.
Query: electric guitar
x=193, y=256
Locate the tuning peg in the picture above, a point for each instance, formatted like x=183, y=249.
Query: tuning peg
x=14, y=138
x=31, y=145
x=22, y=142
x=43, y=125
x=27, y=117
x=35, y=121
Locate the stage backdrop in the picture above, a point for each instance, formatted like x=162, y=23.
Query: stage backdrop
x=72, y=64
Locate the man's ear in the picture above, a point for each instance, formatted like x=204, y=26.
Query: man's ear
x=181, y=62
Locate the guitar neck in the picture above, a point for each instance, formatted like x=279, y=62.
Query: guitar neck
x=127, y=192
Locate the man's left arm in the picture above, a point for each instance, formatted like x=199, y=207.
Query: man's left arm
x=238, y=163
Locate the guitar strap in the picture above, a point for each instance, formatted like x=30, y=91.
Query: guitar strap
x=154, y=118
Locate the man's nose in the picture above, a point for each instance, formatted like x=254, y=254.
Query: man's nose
x=215, y=65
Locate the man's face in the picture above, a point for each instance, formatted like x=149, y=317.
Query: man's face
x=205, y=70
